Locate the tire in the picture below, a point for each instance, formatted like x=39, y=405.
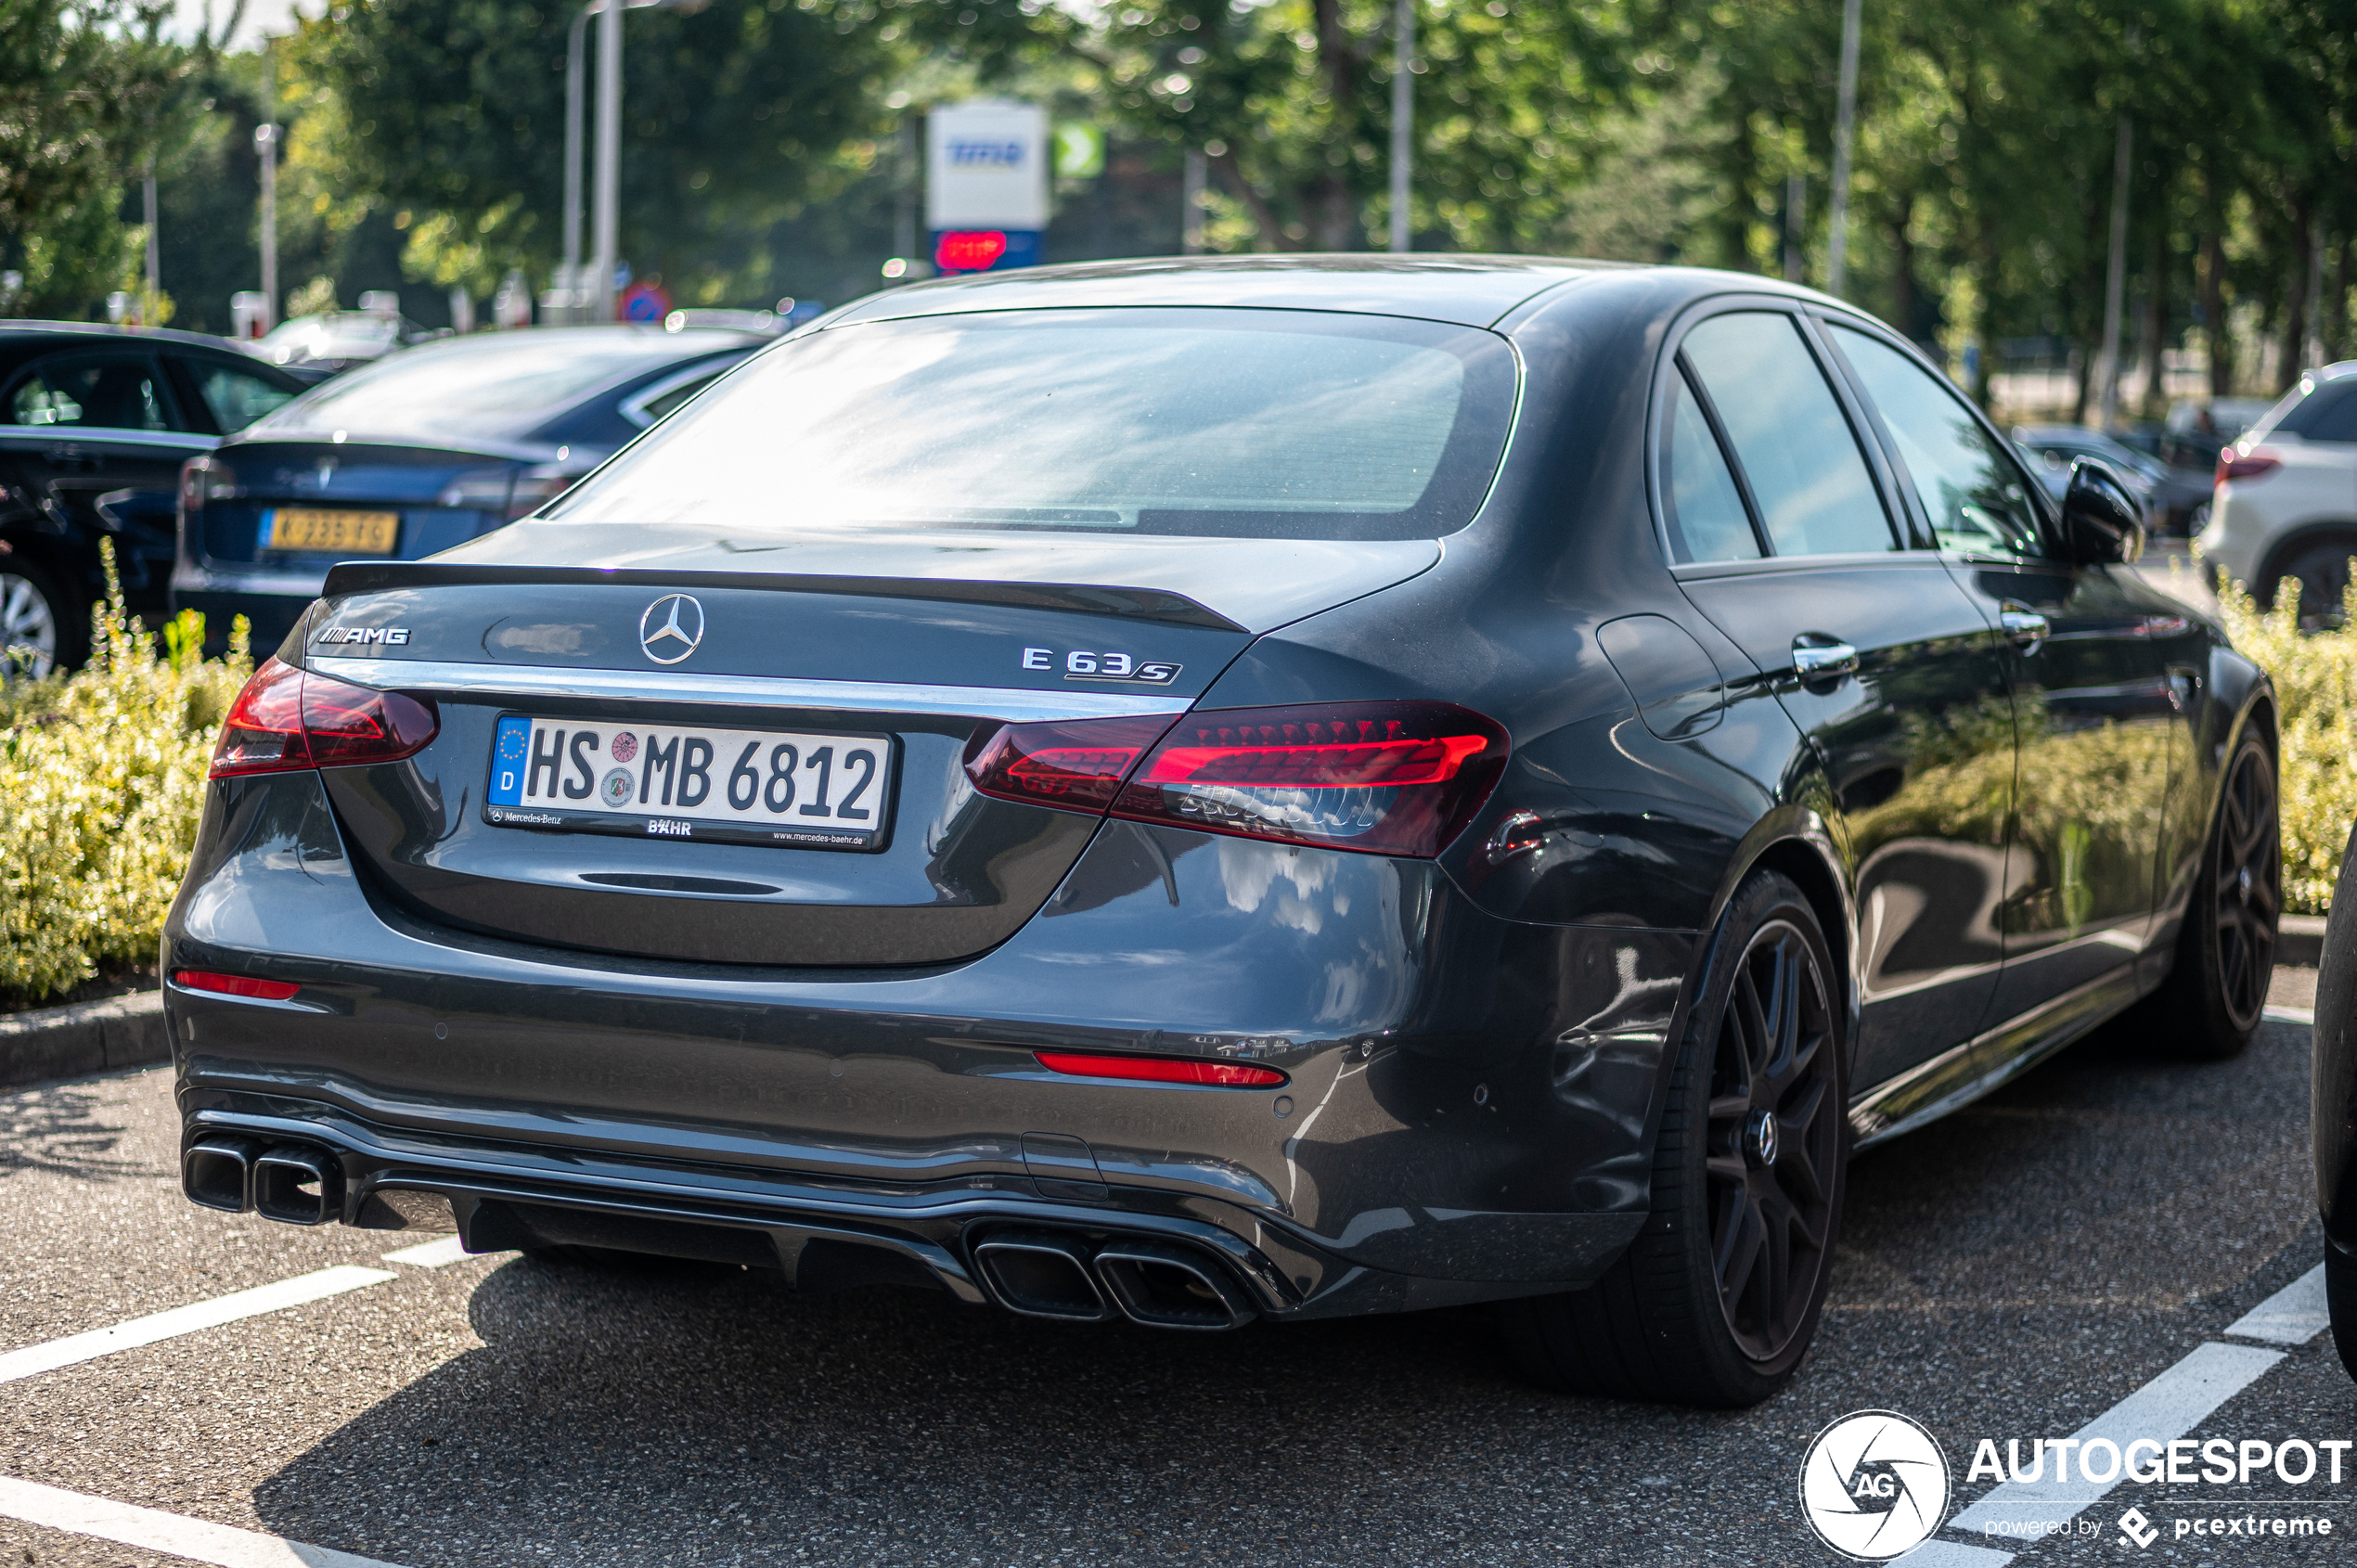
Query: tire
x=2211, y=1005
x=37, y=612
x=2340, y=1299
x=2322, y=572
x=1717, y=1300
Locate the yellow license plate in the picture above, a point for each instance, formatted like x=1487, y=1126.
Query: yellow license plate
x=315, y=527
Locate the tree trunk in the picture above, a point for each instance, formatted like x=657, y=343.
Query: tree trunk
x=1902, y=270
x=2213, y=301
x=1332, y=215
x=2296, y=318
x=2092, y=287
x=2156, y=331
x=2337, y=315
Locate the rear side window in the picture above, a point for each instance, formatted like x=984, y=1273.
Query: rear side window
x=106, y=390
x=1971, y=491
x=1807, y=473
x=236, y=398
x=2327, y=411
x=1706, y=511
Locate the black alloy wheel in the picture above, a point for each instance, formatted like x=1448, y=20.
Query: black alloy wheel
x=2322, y=572
x=1716, y=1301
x=2216, y=993
x=2246, y=884
x=1776, y=1117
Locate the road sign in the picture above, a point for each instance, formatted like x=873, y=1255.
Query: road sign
x=1081, y=151
x=987, y=166
x=645, y=302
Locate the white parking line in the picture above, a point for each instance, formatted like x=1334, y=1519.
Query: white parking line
x=155, y=1531
x=433, y=1254
x=2168, y=1406
x=1947, y=1554
x=2292, y=1015
x=2292, y=1316
x=181, y=1320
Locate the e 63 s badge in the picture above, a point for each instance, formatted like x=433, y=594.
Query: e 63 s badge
x=1084, y=664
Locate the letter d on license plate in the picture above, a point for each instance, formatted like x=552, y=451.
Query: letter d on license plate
x=779, y=787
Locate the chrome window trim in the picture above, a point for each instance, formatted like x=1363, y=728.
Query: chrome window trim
x=634, y=407
x=101, y=435
x=1011, y=704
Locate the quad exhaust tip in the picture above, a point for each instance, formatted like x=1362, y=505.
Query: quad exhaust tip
x=1160, y=1284
x=293, y=1183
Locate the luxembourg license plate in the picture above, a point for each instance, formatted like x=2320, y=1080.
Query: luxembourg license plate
x=335, y=533
x=779, y=787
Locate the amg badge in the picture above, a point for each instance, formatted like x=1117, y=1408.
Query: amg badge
x=392, y=636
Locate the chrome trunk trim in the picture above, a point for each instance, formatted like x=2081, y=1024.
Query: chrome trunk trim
x=1010, y=704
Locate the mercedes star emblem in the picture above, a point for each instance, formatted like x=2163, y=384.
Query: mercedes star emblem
x=671, y=628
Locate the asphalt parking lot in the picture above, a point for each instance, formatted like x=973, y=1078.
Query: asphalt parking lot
x=2014, y=1272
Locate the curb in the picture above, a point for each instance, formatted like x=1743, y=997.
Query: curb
x=87, y=1037
x=2300, y=939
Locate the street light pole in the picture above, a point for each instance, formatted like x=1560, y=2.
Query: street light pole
x=1403, y=120
x=572, y=278
x=1845, y=128
x=606, y=211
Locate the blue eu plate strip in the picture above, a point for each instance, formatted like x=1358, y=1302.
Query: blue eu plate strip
x=509, y=750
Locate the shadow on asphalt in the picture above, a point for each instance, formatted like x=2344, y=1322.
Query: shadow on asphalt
x=64, y=1130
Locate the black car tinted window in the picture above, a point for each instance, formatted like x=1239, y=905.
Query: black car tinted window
x=1245, y=423
x=1971, y=491
x=1807, y=473
x=105, y=389
x=236, y=398
x=1704, y=508
x=2326, y=412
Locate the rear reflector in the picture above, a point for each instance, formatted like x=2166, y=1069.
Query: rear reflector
x=234, y=985
x=1161, y=1069
x=286, y=719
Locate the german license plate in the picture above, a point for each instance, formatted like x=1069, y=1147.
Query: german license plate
x=335, y=533
x=782, y=788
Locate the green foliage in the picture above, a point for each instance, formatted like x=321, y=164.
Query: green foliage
x=102, y=776
x=2316, y=676
x=449, y=115
x=85, y=90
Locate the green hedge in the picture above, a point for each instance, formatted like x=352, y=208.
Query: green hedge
x=101, y=779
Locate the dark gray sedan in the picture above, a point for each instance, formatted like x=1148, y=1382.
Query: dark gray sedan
x=1208, y=791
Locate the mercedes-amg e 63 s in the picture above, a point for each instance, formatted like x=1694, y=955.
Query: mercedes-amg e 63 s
x=1200, y=791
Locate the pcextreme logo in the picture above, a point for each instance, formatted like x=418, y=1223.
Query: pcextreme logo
x=1875, y=1484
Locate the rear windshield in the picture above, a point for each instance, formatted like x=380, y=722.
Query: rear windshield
x=501, y=386
x=1261, y=424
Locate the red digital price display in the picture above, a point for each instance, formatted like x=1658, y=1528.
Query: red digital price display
x=970, y=250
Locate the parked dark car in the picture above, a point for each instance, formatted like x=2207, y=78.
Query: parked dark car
x=1199, y=791
x=419, y=452
x=328, y=342
x=2171, y=497
x=95, y=422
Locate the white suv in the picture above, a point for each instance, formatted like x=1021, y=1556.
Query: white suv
x=2285, y=500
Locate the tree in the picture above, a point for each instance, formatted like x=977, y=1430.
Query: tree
x=85, y=90
x=450, y=114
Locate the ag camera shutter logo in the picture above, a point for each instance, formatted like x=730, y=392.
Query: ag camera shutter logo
x=1874, y=1485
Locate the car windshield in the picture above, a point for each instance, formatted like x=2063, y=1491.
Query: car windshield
x=1272, y=424
x=496, y=385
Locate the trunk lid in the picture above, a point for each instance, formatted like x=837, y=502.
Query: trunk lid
x=941, y=874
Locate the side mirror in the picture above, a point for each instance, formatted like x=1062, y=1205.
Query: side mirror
x=2103, y=523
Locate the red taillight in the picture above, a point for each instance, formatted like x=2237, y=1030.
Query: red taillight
x=286, y=719
x=1078, y=765
x=234, y=985
x=2257, y=464
x=1161, y=1069
x=1386, y=777
x=263, y=732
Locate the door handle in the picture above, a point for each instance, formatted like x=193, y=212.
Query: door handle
x=2021, y=625
x=1816, y=656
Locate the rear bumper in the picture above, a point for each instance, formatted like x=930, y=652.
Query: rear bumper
x=1468, y=1113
